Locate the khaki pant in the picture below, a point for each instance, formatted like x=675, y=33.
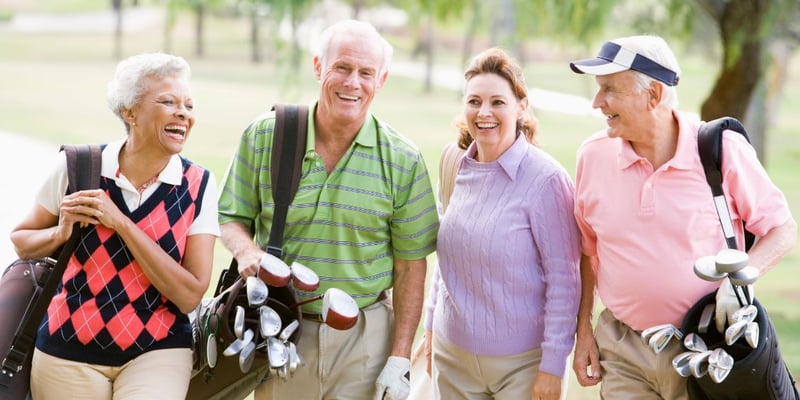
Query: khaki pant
x=338, y=364
x=458, y=374
x=631, y=369
x=155, y=375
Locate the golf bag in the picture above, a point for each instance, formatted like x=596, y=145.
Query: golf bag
x=227, y=378
x=757, y=373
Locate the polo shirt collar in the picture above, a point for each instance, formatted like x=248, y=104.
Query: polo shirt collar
x=510, y=160
x=366, y=135
x=684, y=152
x=171, y=174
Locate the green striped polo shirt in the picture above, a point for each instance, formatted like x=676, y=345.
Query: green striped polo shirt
x=376, y=205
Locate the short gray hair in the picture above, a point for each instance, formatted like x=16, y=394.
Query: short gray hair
x=655, y=48
x=130, y=79
x=365, y=29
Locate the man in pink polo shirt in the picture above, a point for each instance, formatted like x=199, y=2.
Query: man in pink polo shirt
x=646, y=214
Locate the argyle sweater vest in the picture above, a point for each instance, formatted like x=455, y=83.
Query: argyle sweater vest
x=106, y=311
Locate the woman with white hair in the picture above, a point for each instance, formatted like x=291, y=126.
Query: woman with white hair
x=117, y=326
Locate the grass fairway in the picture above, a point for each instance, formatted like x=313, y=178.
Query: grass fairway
x=52, y=86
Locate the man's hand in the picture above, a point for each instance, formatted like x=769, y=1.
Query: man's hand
x=393, y=381
x=586, y=362
x=728, y=303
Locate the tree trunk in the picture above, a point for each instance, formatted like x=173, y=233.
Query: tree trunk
x=472, y=30
x=764, y=106
x=743, y=40
x=255, y=42
x=429, y=56
x=199, y=49
x=117, y=6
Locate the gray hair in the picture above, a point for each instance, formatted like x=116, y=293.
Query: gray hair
x=655, y=48
x=361, y=28
x=127, y=87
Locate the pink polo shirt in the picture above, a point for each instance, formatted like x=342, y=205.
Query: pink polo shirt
x=648, y=227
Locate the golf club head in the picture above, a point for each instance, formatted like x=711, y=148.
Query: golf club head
x=751, y=334
x=706, y=269
x=269, y=321
x=257, y=291
x=681, y=363
x=731, y=260
x=744, y=276
x=277, y=353
x=649, y=332
x=211, y=350
x=705, y=318
x=238, y=322
x=693, y=342
x=288, y=331
x=735, y=331
x=246, y=357
x=661, y=339
x=274, y=271
x=747, y=313
x=720, y=359
x=698, y=364
x=304, y=278
x=717, y=374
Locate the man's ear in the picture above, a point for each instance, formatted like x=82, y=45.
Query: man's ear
x=382, y=79
x=655, y=93
x=317, y=67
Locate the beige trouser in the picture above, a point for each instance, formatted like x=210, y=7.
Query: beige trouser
x=338, y=364
x=458, y=374
x=631, y=369
x=155, y=375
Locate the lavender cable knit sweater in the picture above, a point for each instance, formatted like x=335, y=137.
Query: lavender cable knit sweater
x=508, y=252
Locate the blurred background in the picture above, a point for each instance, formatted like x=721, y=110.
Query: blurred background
x=739, y=58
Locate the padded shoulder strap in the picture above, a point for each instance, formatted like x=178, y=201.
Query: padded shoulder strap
x=83, y=166
x=709, y=146
x=449, y=162
x=83, y=171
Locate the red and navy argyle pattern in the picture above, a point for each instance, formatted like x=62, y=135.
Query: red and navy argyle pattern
x=106, y=311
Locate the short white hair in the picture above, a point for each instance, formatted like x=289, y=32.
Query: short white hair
x=361, y=28
x=129, y=83
x=655, y=48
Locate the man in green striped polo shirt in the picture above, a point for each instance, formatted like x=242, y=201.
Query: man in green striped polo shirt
x=364, y=219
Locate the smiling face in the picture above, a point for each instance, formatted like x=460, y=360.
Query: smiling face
x=164, y=115
x=491, y=111
x=350, y=78
x=626, y=107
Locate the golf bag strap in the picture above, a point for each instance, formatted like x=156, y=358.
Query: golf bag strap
x=83, y=171
x=709, y=144
x=449, y=164
x=288, y=150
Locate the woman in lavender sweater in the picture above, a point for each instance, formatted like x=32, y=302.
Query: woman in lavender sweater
x=500, y=319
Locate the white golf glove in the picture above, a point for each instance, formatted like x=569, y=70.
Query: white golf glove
x=728, y=303
x=393, y=382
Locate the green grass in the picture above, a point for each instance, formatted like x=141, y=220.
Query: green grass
x=53, y=88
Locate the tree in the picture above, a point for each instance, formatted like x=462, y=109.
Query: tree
x=116, y=5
